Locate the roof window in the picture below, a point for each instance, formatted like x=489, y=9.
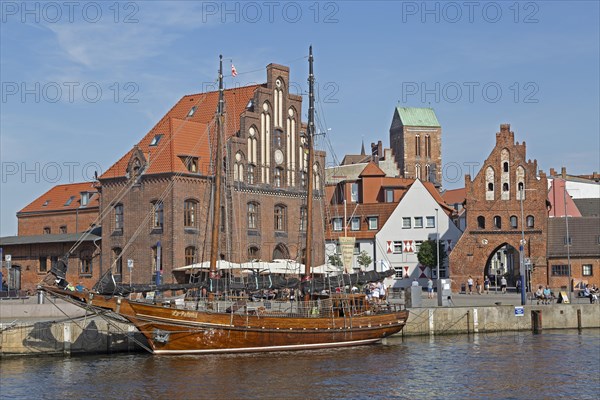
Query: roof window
x=69, y=201
x=46, y=203
x=192, y=111
x=156, y=139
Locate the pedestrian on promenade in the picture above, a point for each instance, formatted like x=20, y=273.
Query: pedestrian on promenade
x=430, y=289
x=470, y=284
x=503, y=284
x=478, y=286
x=518, y=285
x=486, y=285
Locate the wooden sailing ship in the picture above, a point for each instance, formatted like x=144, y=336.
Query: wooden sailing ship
x=210, y=325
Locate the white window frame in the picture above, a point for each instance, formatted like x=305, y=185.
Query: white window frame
x=338, y=224
x=430, y=221
x=397, y=247
x=354, y=193
x=354, y=227
x=375, y=226
x=406, y=223
x=418, y=222
x=398, y=272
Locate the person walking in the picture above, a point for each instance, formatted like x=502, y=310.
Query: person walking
x=478, y=286
x=503, y=284
x=486, y=285
x=470, y=284
x=430, y=289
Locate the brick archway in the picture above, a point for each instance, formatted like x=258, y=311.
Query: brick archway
x=503, y=260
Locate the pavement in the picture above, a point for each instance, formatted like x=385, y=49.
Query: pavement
x=492, y=298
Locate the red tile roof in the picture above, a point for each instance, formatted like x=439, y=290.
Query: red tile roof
x=454, y=196
x=56, y=198
x=184, y=135
x=371, y=170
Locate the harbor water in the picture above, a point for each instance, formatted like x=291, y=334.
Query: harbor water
x=503, y=365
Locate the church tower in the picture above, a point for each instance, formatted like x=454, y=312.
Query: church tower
x=416, y=139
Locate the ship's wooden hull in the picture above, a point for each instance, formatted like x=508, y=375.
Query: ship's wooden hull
x=178, y=331
x=172, y=330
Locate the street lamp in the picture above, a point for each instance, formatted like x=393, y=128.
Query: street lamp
x=522, y=253
x=437, y=253
x=568, y=242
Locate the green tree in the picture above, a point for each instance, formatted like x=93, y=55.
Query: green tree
x=335, y=260
x=427, y=255
x=364, y=259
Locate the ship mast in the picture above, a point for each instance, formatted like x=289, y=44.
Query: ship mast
x=311, y=161
x=214, y=244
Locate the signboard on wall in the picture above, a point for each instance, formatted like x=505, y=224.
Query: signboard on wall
x=347, y=249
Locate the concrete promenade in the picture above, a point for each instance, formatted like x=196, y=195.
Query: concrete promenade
x=28, y=328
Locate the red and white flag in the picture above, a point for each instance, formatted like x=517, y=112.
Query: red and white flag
x=233, y=71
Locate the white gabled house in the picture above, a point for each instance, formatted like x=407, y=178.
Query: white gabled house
x=420, y=215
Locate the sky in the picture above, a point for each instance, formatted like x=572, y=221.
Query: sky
x=82, y=82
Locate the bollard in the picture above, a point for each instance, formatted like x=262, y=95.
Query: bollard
x=40, y=297
x=579, y=318
x=536, y=321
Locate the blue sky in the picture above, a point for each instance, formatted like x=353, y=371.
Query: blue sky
x=82, y=82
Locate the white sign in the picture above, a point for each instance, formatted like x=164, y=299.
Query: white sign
x=8, y=257
x=519, y=311
x=130, y=264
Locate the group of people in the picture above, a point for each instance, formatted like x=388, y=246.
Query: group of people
x=375, y=292
x=486, y=285
x=544, y=295
x=591, y=293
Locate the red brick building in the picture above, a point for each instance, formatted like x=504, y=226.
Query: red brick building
x=505, y=201
x=68, y=208
x=157, y=196
x=63, y=221
x=416, y=139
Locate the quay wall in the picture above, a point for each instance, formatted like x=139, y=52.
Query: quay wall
x=83, y=335
x=459, y=320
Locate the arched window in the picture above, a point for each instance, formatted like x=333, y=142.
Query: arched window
x=489, y=180
x=427, y=170
x=238, y=168
x=418, y=171
x=498, y=222
x=118, y=218
x=417, y=145
x=190, y=213
x=253, y=253
x=481, y=222
x=490, y=187
x=280, y=223
x=513, y=221
x=253, y=216
x=505, y=187
x=277, y=176
x=316, y=177
x=281, y=252
x=505, y=166
x=530, y=221
x=250, y=173
x=157, y=214
x=117, y=261
x=303, y=218
x=85, y=262
x=190, y=255
x=427, y=146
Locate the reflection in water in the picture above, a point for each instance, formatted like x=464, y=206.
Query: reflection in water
x=555, y=364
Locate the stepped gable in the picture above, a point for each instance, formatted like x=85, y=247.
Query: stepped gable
x=186, y=133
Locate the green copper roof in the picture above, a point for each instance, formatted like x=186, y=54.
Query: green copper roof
x=411, y=116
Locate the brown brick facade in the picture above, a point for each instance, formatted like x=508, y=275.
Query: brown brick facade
x=268, y=143
x=494, y=214
x=70, y=221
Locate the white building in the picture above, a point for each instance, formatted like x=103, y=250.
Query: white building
x=420, y=215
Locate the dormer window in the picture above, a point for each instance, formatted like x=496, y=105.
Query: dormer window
x=192, y=111
x=85, y=199
x=157, y=138
x=191, y=163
